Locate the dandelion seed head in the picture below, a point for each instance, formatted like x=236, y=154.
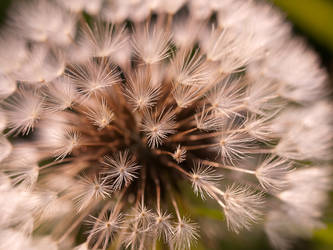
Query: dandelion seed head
x=112, y=111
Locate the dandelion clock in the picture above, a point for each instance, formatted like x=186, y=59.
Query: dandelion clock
x=119, y=117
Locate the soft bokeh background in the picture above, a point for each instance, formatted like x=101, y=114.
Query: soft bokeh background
x=312, y=19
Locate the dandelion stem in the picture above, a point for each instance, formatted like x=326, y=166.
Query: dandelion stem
x=51, y=164
x=175, y=166
x=219, y=165
x=196, y=147
x=181, y=134
x=174, y=203
x=162, y=152
x=212, y=135
x=158, y=191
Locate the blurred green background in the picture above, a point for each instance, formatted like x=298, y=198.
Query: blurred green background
x=312, y=19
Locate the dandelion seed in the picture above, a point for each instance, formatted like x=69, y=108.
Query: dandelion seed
x=184, y=234
x=151, y=44
x=107, y=225
x=91, y=189
x=296, y=195
x=101, y=115
x=260, y=128
x=297, y=208
x=139, y=223
x=105, y=39
x=20, y=154
x=44, y=66
x=93, y=78
x=42, y=21
x=190, y=69
x=258, y=94
x=272, y=173
x=179, y=155
x=65, y=143
x=23, y=110
x=158, y=127
x=140, y=92
x=142, y=217
x=204, y=178
x=207, y=121
x=226, y=97
x=221, y=44
x=163, y=226
x=24, y=176
x=122, y=168
x=60, y=95
x=234, y=146
x=185, y=95
x=241, y=207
